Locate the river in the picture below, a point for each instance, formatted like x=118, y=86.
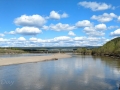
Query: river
x=76, y=73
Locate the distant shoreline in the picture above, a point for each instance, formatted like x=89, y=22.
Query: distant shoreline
x=31, y=59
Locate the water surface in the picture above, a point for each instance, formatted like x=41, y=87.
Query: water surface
x=75, y=73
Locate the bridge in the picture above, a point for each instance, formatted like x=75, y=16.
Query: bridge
x=49, y=49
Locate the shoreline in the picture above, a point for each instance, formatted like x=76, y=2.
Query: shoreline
x=105, y=55
x=31, y=59
x=109, y=55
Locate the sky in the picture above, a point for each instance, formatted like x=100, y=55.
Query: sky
x=51, y=23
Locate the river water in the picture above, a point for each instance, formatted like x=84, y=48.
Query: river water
x=75, y=73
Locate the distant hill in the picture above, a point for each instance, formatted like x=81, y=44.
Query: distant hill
x=112, y=47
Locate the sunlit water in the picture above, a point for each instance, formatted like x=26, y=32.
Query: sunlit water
x=75, y=73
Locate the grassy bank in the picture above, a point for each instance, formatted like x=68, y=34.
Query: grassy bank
x=10, y=51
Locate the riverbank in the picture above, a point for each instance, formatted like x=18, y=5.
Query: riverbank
x=101, y=55
x=11, y=51
x=108, y=55
x=30, y=59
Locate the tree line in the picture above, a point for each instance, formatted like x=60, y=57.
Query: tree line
x=111, y=48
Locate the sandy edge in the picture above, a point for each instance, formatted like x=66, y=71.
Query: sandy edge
x=30, y=59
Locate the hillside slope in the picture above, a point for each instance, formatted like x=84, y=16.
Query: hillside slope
x=110, y=48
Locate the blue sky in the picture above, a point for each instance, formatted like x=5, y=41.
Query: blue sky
x=58, y=22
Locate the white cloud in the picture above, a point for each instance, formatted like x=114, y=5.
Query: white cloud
x=59, y=27
x=57, y=41
x=96, y=30
x=89, y=29
x=71, y=33
x=2, y=35
x=21, y=39
x=45, y=27
x=62, y=38
x=93, y=39
x=80, y=38
x=64, y=15
x=113, y=15
x=38, y=40
x=43, y=41
x=27, y=31
x=100, y=27
x=11, y=32
x=119, y=18
x=2, y=39
x=83, y=23
x=116, y=33
x=33, y=39
x=113, y=27
x=89, y=41
x=105, y=17
x=95, y=33
x=34, y=20
x=13, y=39
x=56, y=15
x=53, y=40
x=94, y=6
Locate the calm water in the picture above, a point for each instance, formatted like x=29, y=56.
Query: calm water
x=76, y=73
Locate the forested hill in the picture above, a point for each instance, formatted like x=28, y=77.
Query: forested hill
x=110, y=48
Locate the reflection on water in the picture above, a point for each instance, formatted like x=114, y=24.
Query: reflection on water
x=76, y=73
